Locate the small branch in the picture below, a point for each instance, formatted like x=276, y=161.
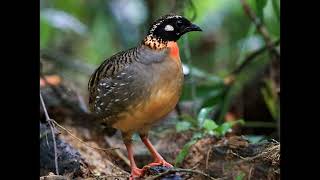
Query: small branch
x=80, y=140
x=260, y=27
x=207, y=158
x=120, y=154
x=53, y=134
x=251, y=57
x=181, y=170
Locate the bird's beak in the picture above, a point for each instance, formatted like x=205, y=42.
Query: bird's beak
x=192, y=27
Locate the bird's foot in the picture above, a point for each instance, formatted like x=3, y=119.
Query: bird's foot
x=158, y=163
x=135, y=173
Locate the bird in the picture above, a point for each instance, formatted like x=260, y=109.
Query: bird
x=136, y=88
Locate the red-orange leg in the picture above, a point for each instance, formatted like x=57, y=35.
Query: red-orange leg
x=158, y=159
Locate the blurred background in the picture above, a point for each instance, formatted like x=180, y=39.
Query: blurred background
x=232, y=68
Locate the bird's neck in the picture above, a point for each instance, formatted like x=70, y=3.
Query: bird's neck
x=155, y=42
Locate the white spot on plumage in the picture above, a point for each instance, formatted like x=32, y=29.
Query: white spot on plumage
x=168, y=17
x=116, y=100
x=168, y=28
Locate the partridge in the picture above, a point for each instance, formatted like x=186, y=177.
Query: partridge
x=133, y=89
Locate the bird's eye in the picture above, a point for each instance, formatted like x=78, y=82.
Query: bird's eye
x=179, y=23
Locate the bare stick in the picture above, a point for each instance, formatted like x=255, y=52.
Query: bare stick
x=75, y=137
x=52, y=132
x=251, y=57
x=260, y=27
x=207, y=158
x=182, y=170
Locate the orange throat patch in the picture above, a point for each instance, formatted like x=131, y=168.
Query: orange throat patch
x=158, y=44
x=174, y=49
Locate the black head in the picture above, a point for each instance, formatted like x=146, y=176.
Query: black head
x=171, y=27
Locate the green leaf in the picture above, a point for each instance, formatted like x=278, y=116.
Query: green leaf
x=240, y=176
x=223, y=128
x=209, y=125
x=275, y=5
x=203, y=115
x=184, y=152
x=260, y=4
x=183, y=126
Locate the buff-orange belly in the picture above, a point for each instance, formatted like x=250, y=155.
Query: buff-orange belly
x=161, y=102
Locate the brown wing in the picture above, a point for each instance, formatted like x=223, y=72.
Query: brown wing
x=116, y=85
x=107, y=71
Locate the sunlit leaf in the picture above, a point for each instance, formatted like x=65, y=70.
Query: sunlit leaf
x=203, y=115
x=223, y=128
x=209, y=125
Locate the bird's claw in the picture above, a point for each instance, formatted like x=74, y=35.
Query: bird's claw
x=158, y=163
x=135, y=173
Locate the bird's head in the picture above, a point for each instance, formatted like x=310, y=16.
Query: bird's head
x=170, y=28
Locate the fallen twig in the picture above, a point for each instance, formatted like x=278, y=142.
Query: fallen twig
x=207, y=158
x=80, y=140
x=52, y=132
x=120, y=155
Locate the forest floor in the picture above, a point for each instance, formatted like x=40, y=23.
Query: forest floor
x=229, y=157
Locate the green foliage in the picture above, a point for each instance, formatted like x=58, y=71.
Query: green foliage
x=276, y=8
x=240, y=176
x=203, y=115
x=203, y=126
x=271, y=99
x=185, y=150
x=260, y=4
